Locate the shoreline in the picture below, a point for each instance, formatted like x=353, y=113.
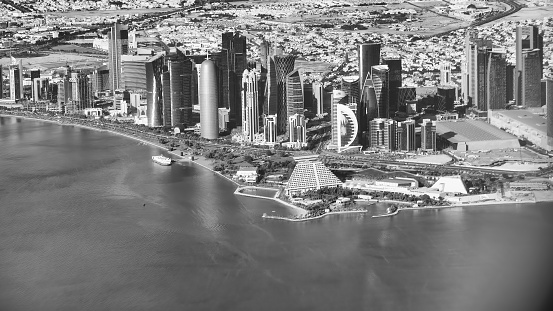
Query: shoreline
x=274, y=198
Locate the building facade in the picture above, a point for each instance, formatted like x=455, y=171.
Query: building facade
x=428, y=135
x=208, y=94
x=250, y=104
x=118, y=39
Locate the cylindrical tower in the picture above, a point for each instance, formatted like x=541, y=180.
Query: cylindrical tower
x=208, y=101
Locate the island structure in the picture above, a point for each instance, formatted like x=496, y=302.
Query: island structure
x=329, y=130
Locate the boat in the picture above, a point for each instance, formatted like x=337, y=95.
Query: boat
x=161, y=160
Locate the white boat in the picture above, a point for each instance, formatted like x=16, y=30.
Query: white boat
x=161, y=160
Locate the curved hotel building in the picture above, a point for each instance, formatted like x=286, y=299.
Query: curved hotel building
x=344, y=122
x=209, y=114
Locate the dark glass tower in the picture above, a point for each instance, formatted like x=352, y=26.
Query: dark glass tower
x=497, y=80
x=528, y=38
x=232, y=63
x=118, y=39
x=380, y=78
x=294, y=94
x=368, y=55
x=284, y=65
x=530, y=87
x=395, y=81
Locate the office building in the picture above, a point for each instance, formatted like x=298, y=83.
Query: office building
x=294, y=94
x=179, y=90
x=100, y=79
x=405, y=94
x=446, y=100
x=368, y=56
x=118, y=39
x=208, y=93
x=381, y=108
x=297, y=134
x=154, y=90
x=1, y=82
x=224, y=119
x=270, y=129
x=530, y=79
x=445, y=73
x=16, y=79
x=284, y=65
x=547, y=101
x=529, y=63
x=350, y=85
x=405, y=136
x=232, y=62
x=496, y=80
x=476, y=50
x=382, y=134
x=40, y=89
x=250, y=104
x=318, y=97
x=394, y=83
x=510, y=87
x=344, y=125
x=428, y=135
x=310, y=174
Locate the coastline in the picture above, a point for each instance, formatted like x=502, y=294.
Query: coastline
x=274, y=198
x=312, y=218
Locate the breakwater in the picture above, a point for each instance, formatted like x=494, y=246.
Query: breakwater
x=307, y=218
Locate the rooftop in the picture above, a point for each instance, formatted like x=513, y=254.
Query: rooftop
x=527, y=118
x=470, y=130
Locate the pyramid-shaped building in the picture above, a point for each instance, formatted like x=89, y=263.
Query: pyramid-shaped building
x=310, y=174
x=450, y=184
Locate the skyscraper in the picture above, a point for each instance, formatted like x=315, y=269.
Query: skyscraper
x=250, y=105
x=154, y=90
x=297, y=129
x=368, y=56
x=405, y=135
x=530, y=79
x=428, y=135
x=394, y=83
x=380, y=77
x=209, y=115
x=270, y=128
x=547, y=100
x=178, y=90
x=232, y=64
x=405, y=94
x=318, y=97
x=447, y=92
x=528, y=38
x=16, y=79
x=344, y=125
x=118, y=39
x=496, y=80
x=476, y=50
x=510, y=74
x=445, y=73
x=284, y=65
x=294, y=94
x=350, y=85
x=382, y=134
x=100, y=79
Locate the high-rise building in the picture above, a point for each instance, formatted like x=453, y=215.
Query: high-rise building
x=310, y=175
x=179, y=90
x=528, y=38
x=405, y=135
x=530, y=79
x=318, y=97
x=284, y=65
x=78, y=92
x=496, y=80
x=294, y=94
x=40, y=89
x=209, y=115
x=510, y=74
x=154, y=90
x=380, y=77
x=297, y=129
x=447, y=100
x=547, y=100
x=350, y=85
x=118, y=39
x=382, y=134
x=394, y=83
x=270, y=128
x=344, y=125
x=232, y=63
x=476, y=50
x=100, y=79
x=445, y=73
x=368, y=56
x=16, y=79
x=250, y=105
x=406, y=94
x=308, y=96
x=1, y=82
x=428, y=135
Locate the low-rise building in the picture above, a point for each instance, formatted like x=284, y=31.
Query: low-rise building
x=247, y=174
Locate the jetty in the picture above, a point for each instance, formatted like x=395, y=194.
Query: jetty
x=386, y=215
x=306, y=217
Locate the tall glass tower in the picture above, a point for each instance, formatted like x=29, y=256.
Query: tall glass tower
x=118, y=39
